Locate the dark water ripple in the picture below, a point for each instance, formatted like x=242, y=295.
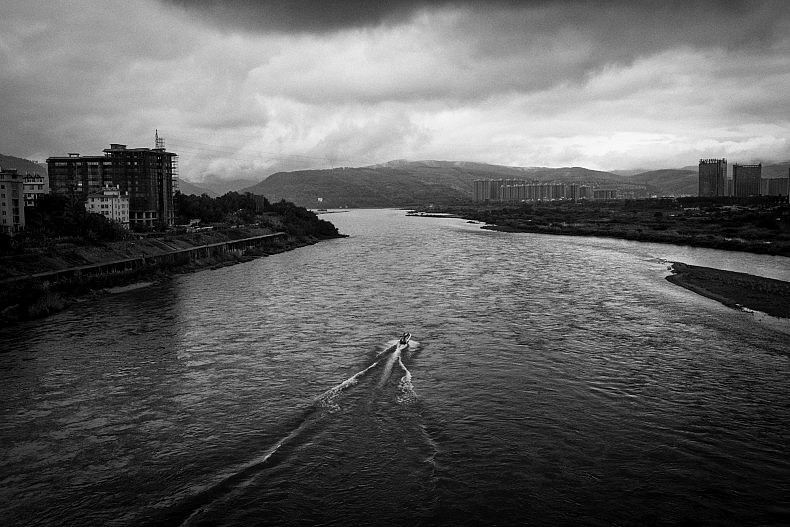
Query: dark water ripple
x=555, y=381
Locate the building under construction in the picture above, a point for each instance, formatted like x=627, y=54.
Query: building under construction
x=147, y=175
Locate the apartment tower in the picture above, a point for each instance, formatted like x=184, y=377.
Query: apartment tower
x=746, y=180
x=712, y=177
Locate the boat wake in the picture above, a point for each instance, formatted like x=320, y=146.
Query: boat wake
x=328, y=398
x=407, y=395
x=192, y=509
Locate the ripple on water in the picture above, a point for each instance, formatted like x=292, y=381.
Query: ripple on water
x=557, y=381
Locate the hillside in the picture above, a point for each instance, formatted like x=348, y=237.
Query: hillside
x=218, y=187
x=776, y=170
x=23, y=166
x=407, y=183
x=669, y=182
x=188, y=188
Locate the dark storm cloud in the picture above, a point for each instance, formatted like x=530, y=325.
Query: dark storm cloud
x=599, y=84
x=307, y=15
x=473, y=50
x=618, y=22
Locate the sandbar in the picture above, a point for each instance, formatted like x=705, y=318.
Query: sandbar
x=736, y=290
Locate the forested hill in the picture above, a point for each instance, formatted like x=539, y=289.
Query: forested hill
x=404, y=183
x=23, y=166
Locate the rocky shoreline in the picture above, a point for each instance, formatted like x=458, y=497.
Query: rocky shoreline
x=736, y=290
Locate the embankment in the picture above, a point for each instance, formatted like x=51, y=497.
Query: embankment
x=53, y=286
x=736, y=290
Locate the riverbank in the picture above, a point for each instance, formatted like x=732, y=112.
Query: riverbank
x=736, y=290
x=39, y=293
x=761, y=230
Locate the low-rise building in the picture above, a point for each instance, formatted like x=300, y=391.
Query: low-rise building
x=34, y=186
x=12, y=204
x=111, y=203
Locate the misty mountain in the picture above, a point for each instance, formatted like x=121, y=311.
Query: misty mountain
x=629, y=172
x=776, y=170
x=221, y=187
x=406, y=183
x=187, y=188
x=378, y=186
x=23, y=166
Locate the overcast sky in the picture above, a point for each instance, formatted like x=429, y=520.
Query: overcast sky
x=246, y=88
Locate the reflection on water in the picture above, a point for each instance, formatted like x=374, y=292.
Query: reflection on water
x=556, y=381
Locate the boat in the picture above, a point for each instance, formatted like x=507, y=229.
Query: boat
x=404, y=340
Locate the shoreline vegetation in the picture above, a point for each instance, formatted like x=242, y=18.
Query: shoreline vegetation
x=45, y=271
x=735, y=290
x=758, y=225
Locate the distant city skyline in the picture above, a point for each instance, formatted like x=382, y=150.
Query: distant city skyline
x=243, y=89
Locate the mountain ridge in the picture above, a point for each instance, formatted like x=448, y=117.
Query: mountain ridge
x=22, y=165
x=401, y=183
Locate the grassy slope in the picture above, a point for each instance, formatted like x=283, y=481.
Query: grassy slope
x=66, y=255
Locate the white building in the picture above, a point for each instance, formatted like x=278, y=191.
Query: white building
x=12, y=205
x=110, y=203
x=34, y=186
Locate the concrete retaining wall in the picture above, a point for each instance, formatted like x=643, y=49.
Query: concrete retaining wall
x=178, y=257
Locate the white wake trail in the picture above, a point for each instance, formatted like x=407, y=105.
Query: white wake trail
x=390, y=362
x=408, y=394
x=327, y=399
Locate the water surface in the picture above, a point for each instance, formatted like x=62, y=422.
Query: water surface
x=551, y=380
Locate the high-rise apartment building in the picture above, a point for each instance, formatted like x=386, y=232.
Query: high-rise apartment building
x=518, y=190
x=746, y=180
x=712, y=177
x=775, y=186
x=145, y=174
x=487, y=190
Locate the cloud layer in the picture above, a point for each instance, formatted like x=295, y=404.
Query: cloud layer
x=242, y=89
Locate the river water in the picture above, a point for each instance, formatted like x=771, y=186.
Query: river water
x=550, y=381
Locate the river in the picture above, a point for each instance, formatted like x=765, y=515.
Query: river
x=549, y=381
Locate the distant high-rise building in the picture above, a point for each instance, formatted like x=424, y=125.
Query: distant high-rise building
x=712, y=177
x=775, y=186
x=486, y=190
x=604, y=193
x=746, y=180
x=518, y=190
x=145, y=174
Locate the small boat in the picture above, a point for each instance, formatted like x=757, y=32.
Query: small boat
x=404, y=339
